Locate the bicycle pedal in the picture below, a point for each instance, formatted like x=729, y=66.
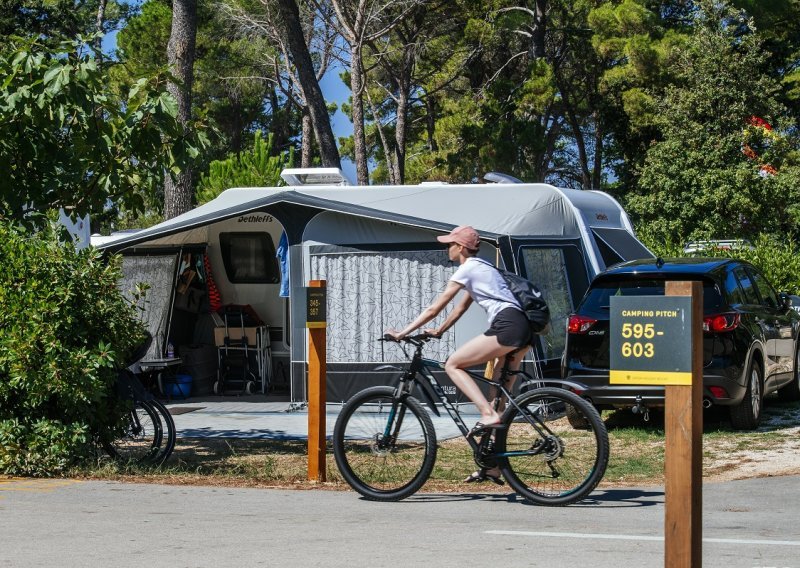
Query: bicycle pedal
x=484, y=455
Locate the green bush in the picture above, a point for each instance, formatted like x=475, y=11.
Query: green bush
x=64, y=329
x=778, y=259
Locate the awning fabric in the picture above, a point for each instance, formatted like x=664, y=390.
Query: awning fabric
x=495, y=210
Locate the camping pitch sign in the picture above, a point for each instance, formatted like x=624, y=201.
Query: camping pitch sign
x=651, y=340
x=316, y=304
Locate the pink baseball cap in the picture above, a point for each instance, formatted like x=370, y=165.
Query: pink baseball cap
x=464, y=235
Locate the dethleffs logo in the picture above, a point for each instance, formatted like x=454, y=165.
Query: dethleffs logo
x=255, y=219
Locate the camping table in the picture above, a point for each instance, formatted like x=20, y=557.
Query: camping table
x=160, y=369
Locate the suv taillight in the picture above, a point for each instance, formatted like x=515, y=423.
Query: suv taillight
x=721, y=322
x=580, y=324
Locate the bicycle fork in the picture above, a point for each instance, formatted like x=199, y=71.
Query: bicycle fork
x=395, y=419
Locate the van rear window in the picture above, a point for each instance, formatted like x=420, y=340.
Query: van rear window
x=597, y=298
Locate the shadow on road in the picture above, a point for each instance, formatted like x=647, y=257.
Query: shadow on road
x=623, y=497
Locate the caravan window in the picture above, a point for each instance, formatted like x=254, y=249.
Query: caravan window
x=560, y=272
x=249, y=258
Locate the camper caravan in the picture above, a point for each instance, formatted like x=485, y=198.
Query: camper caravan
x=256, y=249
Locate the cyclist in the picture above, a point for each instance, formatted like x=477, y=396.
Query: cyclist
x=508, y=331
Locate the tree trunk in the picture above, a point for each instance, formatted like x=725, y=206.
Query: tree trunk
x=101, y=18
x=237, y=122
x=597, y=166
x=539, y=29
x=400, y=133
x=281, y=131
x=308, y=139
x=290, y=18
x=359, y=137
x=583, y=159
x=180, y=56
x=430, y=121
x=387, y=151
x=577, y=133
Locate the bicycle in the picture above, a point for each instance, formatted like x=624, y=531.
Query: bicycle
x=385, y=444
x=148, y=434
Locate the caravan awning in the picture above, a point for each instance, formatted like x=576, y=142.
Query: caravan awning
x=622, y=243
x=495, y=210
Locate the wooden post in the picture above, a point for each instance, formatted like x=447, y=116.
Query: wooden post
x=683, y=469
x=316, y=390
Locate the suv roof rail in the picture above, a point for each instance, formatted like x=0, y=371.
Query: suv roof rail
x=724, y=244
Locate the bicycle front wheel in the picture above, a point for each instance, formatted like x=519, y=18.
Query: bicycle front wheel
x=543, y=456
x=385, y=447
x=141, y=438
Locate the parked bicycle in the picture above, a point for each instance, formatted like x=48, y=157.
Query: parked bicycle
x=385, y=444
x=149, y=430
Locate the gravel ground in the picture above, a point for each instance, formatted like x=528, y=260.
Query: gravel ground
x=782, y=458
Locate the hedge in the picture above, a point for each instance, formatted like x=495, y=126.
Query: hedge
x=778, y=259
x=64, y=330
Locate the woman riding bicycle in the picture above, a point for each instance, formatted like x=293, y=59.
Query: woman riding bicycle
x=508, y=334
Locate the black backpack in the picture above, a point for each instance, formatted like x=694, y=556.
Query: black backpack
x=529, y=298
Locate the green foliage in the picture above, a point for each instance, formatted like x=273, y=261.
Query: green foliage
x=64, y=328
x=664, y=247
x=256, y=167
x=57, y=18
x=67, y=141
x=696, y=181
x=778, y=258
x=232, y=76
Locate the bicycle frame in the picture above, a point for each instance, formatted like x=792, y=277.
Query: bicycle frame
x=421, y=367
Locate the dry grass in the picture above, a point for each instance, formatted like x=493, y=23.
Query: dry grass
x=637, y=457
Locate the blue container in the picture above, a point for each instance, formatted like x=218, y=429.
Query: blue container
x=179, y=386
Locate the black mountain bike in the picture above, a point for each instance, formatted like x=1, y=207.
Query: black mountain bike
x=385, y=443
x=148, y=434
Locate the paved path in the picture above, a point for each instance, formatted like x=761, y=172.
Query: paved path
x=274, y=420
x=66, y=523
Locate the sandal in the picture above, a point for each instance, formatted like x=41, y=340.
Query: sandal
x=482, y=475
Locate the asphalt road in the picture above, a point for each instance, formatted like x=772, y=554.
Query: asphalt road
x=66, y=523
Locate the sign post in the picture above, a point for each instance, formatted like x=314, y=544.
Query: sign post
x=316, y=322
x=657, y=340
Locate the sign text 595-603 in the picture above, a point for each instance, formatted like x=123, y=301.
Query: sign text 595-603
x=650, y=340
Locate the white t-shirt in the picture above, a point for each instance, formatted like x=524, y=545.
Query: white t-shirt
x=487, y=287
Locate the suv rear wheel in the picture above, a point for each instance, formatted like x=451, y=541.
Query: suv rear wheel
x=747, y=414
x=791, y=392
x=578, y=419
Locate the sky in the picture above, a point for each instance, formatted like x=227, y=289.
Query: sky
x=334, y=90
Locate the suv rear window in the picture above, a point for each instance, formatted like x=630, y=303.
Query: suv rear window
x=597, y=298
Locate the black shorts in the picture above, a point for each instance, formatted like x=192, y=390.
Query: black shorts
x=511, y=328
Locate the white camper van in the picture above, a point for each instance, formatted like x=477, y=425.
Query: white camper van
x=376, y=249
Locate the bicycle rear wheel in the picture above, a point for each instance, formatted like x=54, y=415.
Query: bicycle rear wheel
x=385, y=448
x=141, y=438
x=542, y=456
x=168, y=429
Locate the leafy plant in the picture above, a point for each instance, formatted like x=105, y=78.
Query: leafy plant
x=256, y=167
x=778, y=259
x=64, y=329
x=66, y=140
x=703, y=178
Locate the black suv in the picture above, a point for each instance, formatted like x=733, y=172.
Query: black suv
x=750, y=339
